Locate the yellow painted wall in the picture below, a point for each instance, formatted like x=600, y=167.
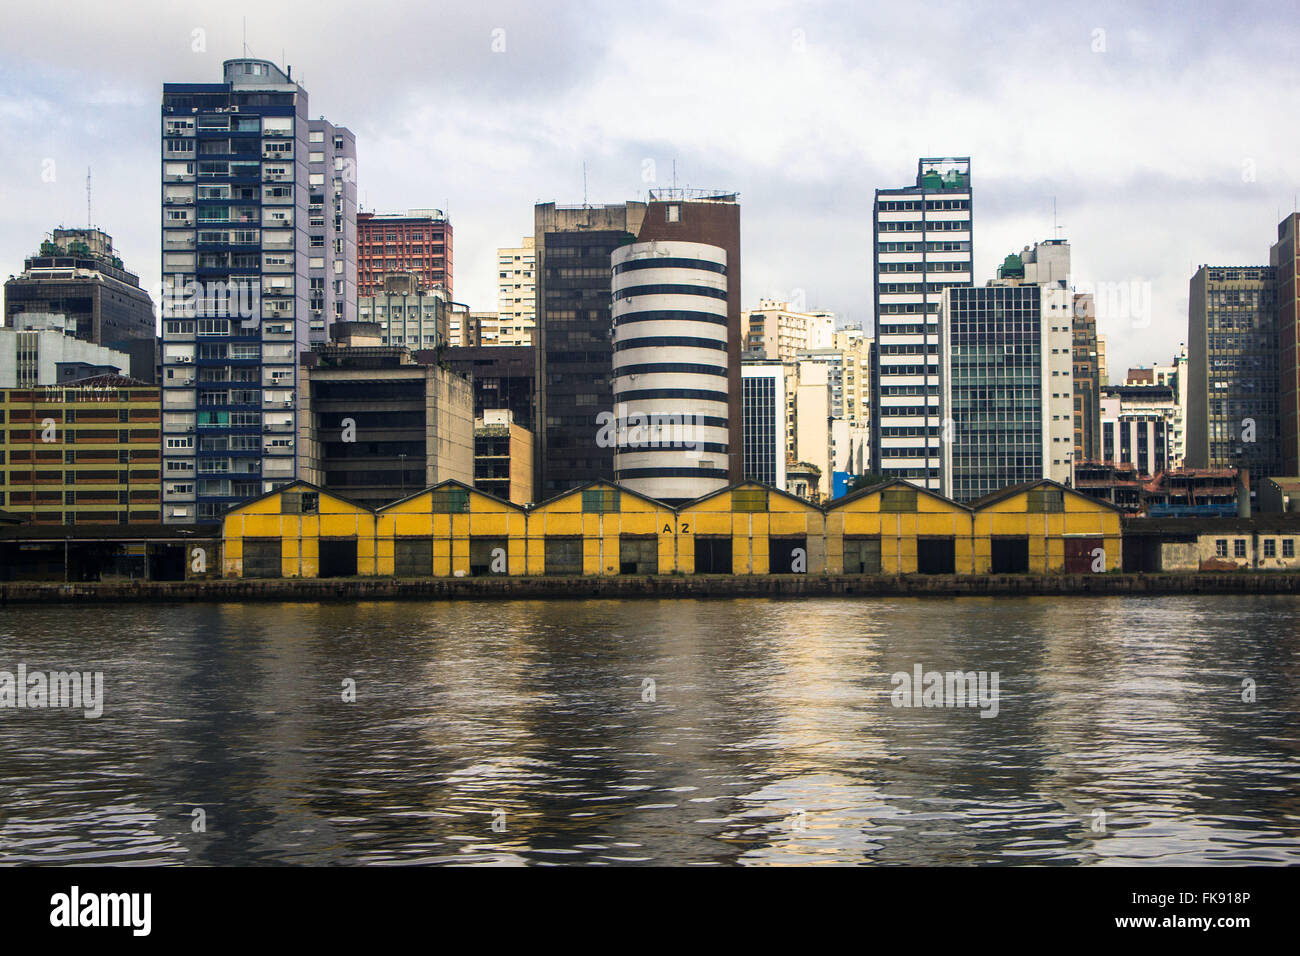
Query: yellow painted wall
x=898, y=532
x=1082, y=517
x=751, y=531
x=564, y=517
x=451, y=533
x=299, y=534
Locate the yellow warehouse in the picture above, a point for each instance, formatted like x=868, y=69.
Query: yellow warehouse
x=298, y=531
x=450, y=530
x=898, y=528
x=1044, y=527
x=602, y=529
x=751, y=528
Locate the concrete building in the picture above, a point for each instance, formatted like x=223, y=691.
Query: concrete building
x=1137, y=431
x=504, y=377
x=777, y=330
x=670, y=422
x=481, y=328
x=1007, y=373
x=418, y=241
x=809, y=422
x=78, y=284
x=764, y=430
x=407, y=313
x=517, y=293
x=1284, y=259
x=1277, y=495
x=1086, y=378
x=331, y=226
x=239, y=248
x=574, y=352
x=922, y=246
x=32, y=357
x=82, y=454
x=1233, y=416
x=503, y=457
x=377, y=424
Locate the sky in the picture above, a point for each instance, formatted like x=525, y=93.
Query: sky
x=1164, y=137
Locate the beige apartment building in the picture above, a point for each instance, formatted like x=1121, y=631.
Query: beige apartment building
x=516, y=294
x=776, y=331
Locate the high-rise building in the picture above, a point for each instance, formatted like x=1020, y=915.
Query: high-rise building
x=764, y=409
x=331, y=226
x=517, y=293
x=418, y=241
x=1137, y=427
x=33, y=356
x=776, y=330
x=574, y=350
x=238, y=246
x=1087, y=379
x=504, y=378
x=671, y=366
x=1007, y=402
x=1284, y=257
x=809, y=420
x=77, y=283
x=1232, y=370
x=922, y=246
x=503, y=457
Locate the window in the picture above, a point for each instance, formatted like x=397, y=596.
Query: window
x=449, y=501
x=1221, y=548
x=1046, y=501
x=1270, y=548
x=749, y=499
x=1288, y=547
x=1239, y=548
x=300, y=503
x=600, y=501
x=673, y=213
x=898, y=500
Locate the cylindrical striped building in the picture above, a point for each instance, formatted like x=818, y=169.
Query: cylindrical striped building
x=670, y=369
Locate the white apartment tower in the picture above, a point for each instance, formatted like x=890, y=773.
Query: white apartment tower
x=922, y=247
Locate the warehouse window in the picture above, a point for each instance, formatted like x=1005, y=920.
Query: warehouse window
x=600, y=501
x=300, y=503
x=1046, y=501
x=1270, y=548
x=749, y=499
x=898, y=500
x=1288, y=547
x=1239, y=548
x=446, y=501
x=1221, y=548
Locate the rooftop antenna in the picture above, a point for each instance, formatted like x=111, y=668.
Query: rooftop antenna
x=244, y=21
x=584, y=183
x=89, y=218
x=674, y=175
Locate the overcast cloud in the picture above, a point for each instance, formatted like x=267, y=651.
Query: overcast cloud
x=1167, y=140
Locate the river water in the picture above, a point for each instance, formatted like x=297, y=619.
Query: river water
x=659, y=732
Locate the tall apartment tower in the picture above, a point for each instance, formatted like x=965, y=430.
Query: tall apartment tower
x=331, y=226
x=238, y=251
x=1232, y=370
x=1008, y=392
x=764, y=408
x=1284, y=257
x=517, y=293
x=922, y=246
x=671, y=367
x=418, y=241
x=574, y=350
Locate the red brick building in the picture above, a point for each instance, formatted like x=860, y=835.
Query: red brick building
x=419, y=242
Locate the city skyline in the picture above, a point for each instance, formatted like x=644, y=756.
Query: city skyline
x=791, y=121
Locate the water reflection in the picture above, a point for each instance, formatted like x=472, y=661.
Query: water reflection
x=771, y=737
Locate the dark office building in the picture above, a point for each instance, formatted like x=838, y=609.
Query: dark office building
x=504, y=376
x=574, y=352
x=1087, y=379
x=78, y=275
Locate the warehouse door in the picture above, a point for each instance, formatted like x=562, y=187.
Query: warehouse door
x=488, y=556
x=1010, y=556
x=564, y=555
x=338, y=557
x=261, y=557
x=413, y=557
x=712, y=554
x=935, y=556
x=787, y=555
x=638, y=554
x=861, y=555
x=1079, y=556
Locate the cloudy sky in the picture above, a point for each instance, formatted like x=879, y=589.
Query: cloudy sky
x=1165, y=135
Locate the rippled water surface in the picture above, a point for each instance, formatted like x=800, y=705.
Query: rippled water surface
x=771, y=736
